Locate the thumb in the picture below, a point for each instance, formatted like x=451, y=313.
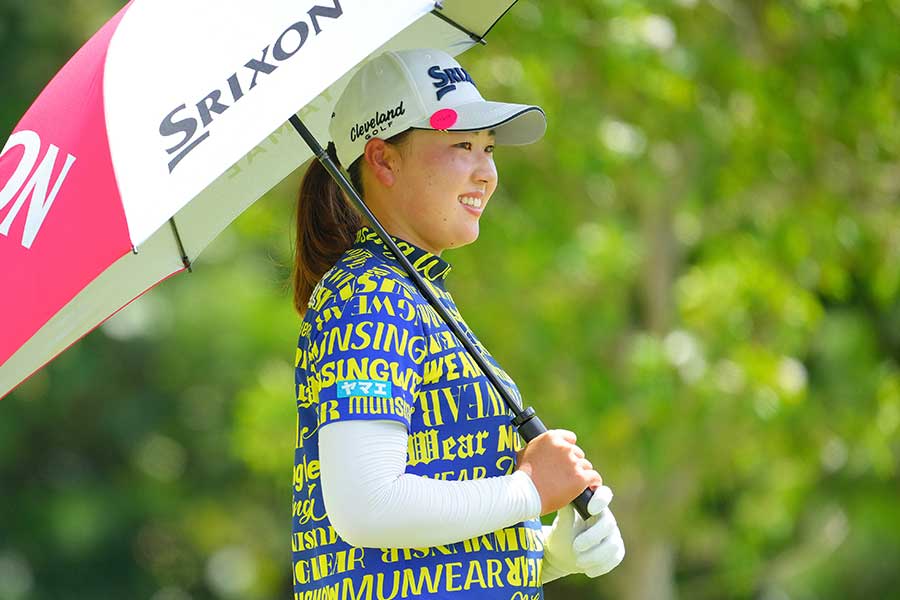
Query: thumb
x=603, y=495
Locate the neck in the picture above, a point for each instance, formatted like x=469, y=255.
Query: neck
x=392, y=221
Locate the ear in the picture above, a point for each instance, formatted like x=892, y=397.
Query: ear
x=383, y=160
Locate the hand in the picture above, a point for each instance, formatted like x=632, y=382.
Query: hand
x=558, y=468
x=593, y=547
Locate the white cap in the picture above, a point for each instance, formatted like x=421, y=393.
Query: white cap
x=424, y=89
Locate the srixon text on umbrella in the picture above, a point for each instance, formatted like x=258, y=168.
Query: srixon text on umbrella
x=41, y=186
x=184, y=120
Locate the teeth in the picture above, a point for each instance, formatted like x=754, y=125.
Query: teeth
x=470, y=201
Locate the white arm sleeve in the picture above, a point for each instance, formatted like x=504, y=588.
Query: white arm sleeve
x=373, y=503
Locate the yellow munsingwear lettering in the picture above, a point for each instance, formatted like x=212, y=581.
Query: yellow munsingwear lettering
x=371, y=405
x=377, y=369
x=318, y=567
x=305, y=510
x=429, y=316
x=515, y=539
x=327, y=314
x=389, y=555
x=305, y=472
x=452, y=576
x=441, y=405
x=508, y=439
x=320, y=295
x=339, y=276
x=399, y=307
x=348, y=590
x=432, y=407
x=461, y=475
x=304, y=433
x=354, y=259
x=523, y=571
x=507, y=540
x=364, y=335
x=506, y=464
x=474, y=575
x=304, y=396
x=329, y=592
x=494, y=568
x=413, y=582
x=313, y=538
x=481, y=542
x=300, y=357
x=450, y=367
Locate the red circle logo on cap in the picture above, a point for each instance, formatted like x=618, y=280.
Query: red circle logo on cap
x=443, y=119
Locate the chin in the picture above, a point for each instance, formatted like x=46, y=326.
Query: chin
x=464, y=237
x=470, y=235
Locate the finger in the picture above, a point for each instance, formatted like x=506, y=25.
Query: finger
x=602, y=558
x=578, y=452
x=617, y=557
x=591, y=478
x=603, y=495
x=595, y=534
x=586, y=464
x=567, y=435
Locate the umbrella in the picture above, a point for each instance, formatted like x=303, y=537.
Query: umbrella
x=162, y=129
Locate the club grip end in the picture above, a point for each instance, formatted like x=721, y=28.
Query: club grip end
x=528, y=425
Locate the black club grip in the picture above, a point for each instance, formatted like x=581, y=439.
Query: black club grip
x=529, y=427
x=582, y=501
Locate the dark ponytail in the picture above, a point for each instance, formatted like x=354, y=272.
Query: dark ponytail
x=326, y=226
x=326, y=222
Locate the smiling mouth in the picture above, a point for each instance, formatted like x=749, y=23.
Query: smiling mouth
x=470, y=201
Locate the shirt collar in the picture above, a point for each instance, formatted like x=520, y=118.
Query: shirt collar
x=431, y=267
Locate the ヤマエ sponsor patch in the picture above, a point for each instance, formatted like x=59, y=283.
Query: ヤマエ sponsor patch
x=363, y=387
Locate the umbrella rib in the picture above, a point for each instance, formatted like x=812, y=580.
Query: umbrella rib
x=184, y=257
x=508, y=8
x=475, y=37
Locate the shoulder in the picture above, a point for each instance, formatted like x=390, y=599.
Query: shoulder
x=364, y=286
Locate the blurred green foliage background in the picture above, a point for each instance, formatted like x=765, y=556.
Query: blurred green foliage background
x=697, y=270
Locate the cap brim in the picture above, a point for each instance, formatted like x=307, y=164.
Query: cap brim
x=513, y=124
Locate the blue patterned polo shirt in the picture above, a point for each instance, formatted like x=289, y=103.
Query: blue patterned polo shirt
x=371, y=347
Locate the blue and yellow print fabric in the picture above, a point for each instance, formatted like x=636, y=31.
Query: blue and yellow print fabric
x=372, y=348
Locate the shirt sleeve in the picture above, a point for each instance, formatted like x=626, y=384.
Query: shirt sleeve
x=373, y=503
x=368, y=353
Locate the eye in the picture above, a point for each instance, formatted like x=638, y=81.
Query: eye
x=466, y=145
x=489, y=149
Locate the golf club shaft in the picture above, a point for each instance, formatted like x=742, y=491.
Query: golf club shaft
x=526, y=422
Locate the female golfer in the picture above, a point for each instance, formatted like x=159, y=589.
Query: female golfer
x=407, y=479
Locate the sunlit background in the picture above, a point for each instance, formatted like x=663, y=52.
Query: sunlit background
x=697, y=270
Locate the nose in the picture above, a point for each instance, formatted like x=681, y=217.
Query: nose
x=485, y=171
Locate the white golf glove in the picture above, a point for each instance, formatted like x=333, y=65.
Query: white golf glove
x=572, y=545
